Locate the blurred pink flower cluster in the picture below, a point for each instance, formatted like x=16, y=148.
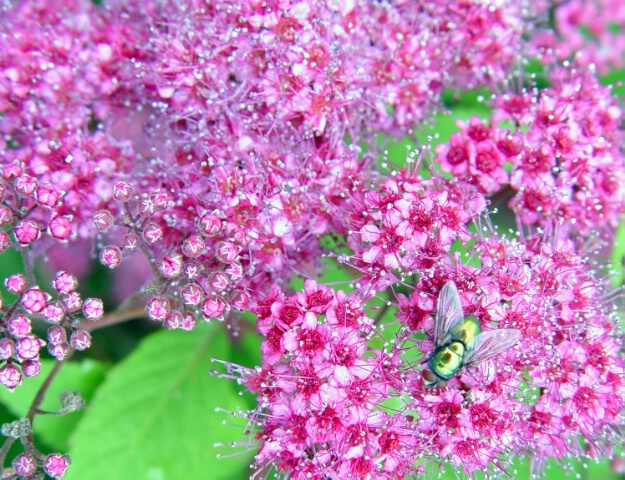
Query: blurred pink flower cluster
x=589, y=31
x=220, y=141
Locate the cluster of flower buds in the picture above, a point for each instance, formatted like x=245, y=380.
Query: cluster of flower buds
x=27, y=208
x=20, y=347
x=26, y=464
x=55, y=465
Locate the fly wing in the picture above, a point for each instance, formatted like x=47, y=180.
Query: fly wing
x=448, y=312
x=489, y=344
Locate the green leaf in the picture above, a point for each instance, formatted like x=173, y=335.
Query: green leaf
x=83, y=377
x=10, y=264
x=154, y=417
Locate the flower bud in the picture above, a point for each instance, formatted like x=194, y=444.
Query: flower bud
x=71, y=401
x=171, y=265
x=72, y=301
x=213, y=307
x=54, y=312
x=25, y=186
x=58, y=350
x=6, y=215
x=31, y=368
x=59, y=227
x=240, y=300
x=160, y=201
x=80, y=340
x=19, y=326
x=28, y=347
x=122, y=191
x=145, y=207
x=235, y=272
x=10, y=376
x=15, y=284
x=188, y=321
x=57, y=334
x=193, y=246
x=26, y=232
x=129, y=242
x=93, y=309
x=7, y=348
x=5, y=241
x=64, y=282
x=17, y=429
x=111, y=256
x=218, y=281
x=157, y=308
x=173, y=320
x=192, y=271
x=103, y=220
x=152, y=233
x=192, y=294
x=56, y=465
x=47, y=196
x=11, y=172
x=24, y=465
x=210, y=225
x=34, y=300
x=226, y=252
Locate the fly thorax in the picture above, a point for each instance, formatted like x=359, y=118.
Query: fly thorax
x=466, y=330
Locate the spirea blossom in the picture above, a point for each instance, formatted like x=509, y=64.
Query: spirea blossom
x=560, y=388
x=563, y=158
x=340, y=398
x=245, y=125
x=221, y=142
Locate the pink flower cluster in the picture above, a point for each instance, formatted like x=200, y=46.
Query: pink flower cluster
x=320, y=390
x=231, y=114
x=589, y=31
x=560, y=389
x=343, y=65
x=562, y=157
x=340, y=398
x=19, y=346
x=191, y=97
x=59, y=74
x=221, y=140
x=409, y=224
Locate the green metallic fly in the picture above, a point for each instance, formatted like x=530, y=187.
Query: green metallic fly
x=459, y=341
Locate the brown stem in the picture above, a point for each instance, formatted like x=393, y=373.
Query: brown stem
x=44, y=387
x=114, y=318
x=382, y=311
x=142, y=245
x=5, y=449
x=501, y=195
x=28, y=266
x=34, y=407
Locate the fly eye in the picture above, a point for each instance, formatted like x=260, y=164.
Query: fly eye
x=429, y=376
